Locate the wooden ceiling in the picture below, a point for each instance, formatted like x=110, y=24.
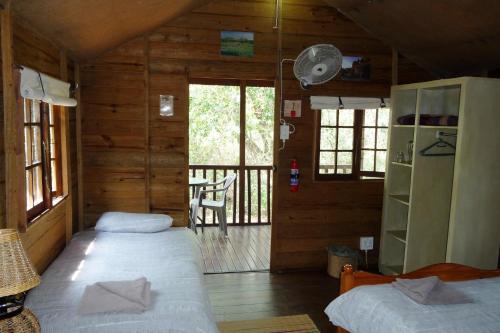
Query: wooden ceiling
x=88, y=27
x=447, y=37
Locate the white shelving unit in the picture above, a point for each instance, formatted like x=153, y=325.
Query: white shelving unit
x=443, y=208
x=408, y=165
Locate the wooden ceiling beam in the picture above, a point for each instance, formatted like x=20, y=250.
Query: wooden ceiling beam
x=448, y=38
x=88, y=28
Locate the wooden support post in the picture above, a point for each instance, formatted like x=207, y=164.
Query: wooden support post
x=277, y=142
x=147, y=162
x=185, y=178
x=66, y=151
x=79, y=153
x=242, y=153
x=15, y=178
x=185, y=175
x=395, y=64
x=346, y=278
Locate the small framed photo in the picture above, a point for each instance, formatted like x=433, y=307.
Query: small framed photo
x=236, y=43
x=355, y=69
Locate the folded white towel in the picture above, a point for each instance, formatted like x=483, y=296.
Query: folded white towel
x=431, y=291
x=133, y=296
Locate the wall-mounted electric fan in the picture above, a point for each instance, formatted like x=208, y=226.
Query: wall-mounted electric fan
x=317, y=64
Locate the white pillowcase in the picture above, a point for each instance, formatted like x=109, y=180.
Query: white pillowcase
x=133, y=222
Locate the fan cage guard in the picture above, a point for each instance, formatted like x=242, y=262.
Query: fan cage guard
x=311, y=63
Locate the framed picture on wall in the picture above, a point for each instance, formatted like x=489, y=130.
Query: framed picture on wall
x=236, y=43
x=355, y=68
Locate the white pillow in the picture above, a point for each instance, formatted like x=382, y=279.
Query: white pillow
x=133, y=222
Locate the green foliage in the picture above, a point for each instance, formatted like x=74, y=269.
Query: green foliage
x=236, y=47
x=259, y=126
x=214, y=137
x=214, y=125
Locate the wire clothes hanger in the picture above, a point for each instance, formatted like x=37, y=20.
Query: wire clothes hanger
x=440, y=143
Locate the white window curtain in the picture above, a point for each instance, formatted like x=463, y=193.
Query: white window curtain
x=333, y=102
x=38, y=86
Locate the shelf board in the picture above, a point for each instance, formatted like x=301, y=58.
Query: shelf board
x=402, y=198
x=403, y=126
x=427, y=126
x=402, y=164
x=439, y=127
x=392, y=269
x=400, y=235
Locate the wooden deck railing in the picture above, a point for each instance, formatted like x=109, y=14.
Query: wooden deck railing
x=248, y=199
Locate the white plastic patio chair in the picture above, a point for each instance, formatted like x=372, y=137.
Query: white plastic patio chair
x=218, y=206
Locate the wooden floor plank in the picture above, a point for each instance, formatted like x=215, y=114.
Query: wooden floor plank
x=209, y=251
x=234, y=248
x=232, y=253
x=221, y=266
x=254, y=246
x=257, y=295
x=227, y=264
x=246, y=249
x=238, y=244
x=261, y=249
x=243, y=247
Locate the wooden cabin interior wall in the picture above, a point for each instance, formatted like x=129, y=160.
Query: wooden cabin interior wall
x=136, y=161
x=3, y=222
x=44, y=239
x=322, y=213
x=113, y=135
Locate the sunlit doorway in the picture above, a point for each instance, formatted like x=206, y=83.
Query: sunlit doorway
x=231, y=130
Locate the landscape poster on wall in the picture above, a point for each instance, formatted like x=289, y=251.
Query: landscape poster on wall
x=236, y=43
x=355, y=69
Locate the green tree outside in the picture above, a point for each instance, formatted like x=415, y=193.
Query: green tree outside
x=214, y=136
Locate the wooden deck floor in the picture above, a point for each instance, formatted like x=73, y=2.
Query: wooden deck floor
x=247, y=296
x=247, y=249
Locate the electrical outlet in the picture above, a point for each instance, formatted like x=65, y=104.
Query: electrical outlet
x=366, y=243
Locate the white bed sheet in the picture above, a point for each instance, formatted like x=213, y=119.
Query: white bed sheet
x=171, y=260
x=382, y=308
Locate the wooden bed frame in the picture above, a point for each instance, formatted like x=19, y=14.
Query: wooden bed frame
x=350, y=279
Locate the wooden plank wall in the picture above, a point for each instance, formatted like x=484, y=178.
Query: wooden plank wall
x=409, y=72
x=132, y=158
x=324, y=213
x=3, y=223
x=338, y=212
x=73, y=153
x=120, y=172
x=45, y=238
x=113, y=131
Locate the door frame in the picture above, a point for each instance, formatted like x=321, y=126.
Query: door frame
x=243, y=84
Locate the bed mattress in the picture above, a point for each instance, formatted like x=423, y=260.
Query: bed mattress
x=170, y=260
x=382, y=308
